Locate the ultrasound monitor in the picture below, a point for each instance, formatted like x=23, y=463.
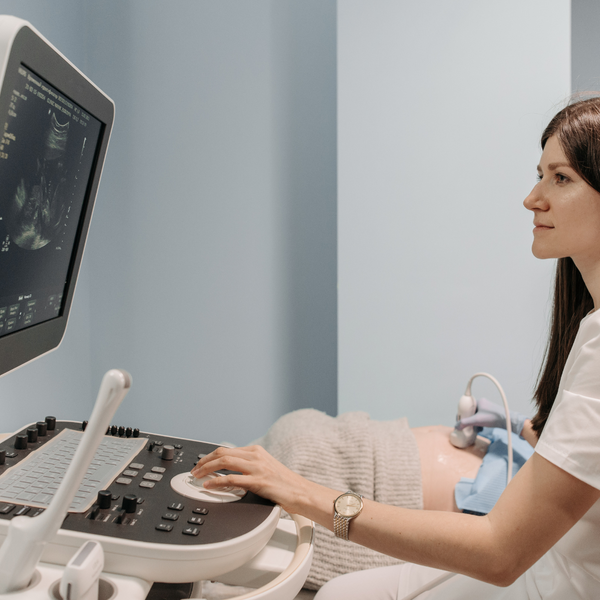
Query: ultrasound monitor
x=54, y=126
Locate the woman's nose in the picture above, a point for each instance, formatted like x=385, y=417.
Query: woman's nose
x=534, y=199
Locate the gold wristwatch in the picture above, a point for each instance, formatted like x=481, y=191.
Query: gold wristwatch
x=345, y=508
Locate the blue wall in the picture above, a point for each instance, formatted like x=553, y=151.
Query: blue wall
x=210, y=269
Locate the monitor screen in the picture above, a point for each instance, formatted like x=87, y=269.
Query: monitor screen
x=54, y=128
x=47, y=152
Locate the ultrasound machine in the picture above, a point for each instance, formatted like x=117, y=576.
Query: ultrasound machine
x=95, y=510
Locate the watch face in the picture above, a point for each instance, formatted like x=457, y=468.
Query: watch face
x=348, y=505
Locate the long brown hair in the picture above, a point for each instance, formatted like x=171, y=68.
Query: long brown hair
x=577, y=128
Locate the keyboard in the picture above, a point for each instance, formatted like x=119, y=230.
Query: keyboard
x=34, y=480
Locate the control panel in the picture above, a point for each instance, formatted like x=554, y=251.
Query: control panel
x=149, y=527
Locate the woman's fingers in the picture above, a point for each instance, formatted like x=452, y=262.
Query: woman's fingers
x=257, y=471
x=232, y=459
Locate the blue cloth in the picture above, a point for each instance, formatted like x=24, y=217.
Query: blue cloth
x=480, y=494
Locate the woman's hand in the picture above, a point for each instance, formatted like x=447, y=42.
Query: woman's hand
x=489, y=414
x=260, y=473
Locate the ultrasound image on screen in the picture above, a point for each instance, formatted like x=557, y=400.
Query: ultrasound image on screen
x=37, y=209
x=47, y=152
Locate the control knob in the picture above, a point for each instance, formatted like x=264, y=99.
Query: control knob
x=168, y=452
x=42, y=428
x=104, y=498
x=21, y=442
x=51, y=423
x=32, y=435
x=130, y=503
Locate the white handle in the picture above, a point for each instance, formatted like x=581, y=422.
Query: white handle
x=24, y=544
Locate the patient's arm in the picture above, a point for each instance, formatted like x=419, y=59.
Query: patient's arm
x=442, y=465
x=528, y=434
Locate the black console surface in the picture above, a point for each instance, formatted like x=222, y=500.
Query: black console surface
x=137, y=512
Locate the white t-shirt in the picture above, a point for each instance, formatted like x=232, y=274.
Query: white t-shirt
x=571, y=440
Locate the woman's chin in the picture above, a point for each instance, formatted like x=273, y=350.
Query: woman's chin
x=542, y=252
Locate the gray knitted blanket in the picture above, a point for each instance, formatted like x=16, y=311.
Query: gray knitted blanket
x=377, y=459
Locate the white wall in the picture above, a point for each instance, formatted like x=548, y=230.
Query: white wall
x=440, y=109
x=210, y=272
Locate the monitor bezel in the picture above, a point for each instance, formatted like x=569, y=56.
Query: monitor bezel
x=32, y=51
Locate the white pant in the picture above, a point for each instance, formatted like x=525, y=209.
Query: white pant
x=384, y=583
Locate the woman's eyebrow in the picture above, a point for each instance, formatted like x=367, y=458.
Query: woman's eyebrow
x=554, y=166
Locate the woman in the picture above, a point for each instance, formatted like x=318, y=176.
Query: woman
x=542, y=538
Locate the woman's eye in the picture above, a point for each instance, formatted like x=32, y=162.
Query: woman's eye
x=538, y=177
x=561, y=178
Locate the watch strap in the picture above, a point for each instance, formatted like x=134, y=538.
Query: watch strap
x=341, y=526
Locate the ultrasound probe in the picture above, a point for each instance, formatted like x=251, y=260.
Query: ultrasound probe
x=27, y=536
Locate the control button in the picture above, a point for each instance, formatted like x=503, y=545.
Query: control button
x=170, y=516
x=114, y=430
x=178, y=446
x=121, y=431
x=130, y=473
x=201, y=511
x=124, y=480
x=10, y=454
x=21, y=442
x=51, y=423
x=6, y=508
x=32, y=435
x=140, y=501
x=191, y=531
x=164, y=527
x=202, y=455
x=121, y=518
x=147, y=484
x=128, y=432
x=136, y=432
x=158, y=469
x=104, y=499
x=42, y=428
x=130, y=503
x=176, y=506
x=95, y=512
x=168, y=452
x=84, y=424
x=196, y=520
x=2, y=456
x=136, y=466
x=158, y=443
x=150, y=446
x=152, y=477
x=39, y=511
x=115, y=497
x=22, y=511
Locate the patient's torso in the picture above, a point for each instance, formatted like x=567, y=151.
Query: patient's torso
x=442, y=465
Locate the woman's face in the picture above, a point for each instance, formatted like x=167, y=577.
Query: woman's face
x=566, y=211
